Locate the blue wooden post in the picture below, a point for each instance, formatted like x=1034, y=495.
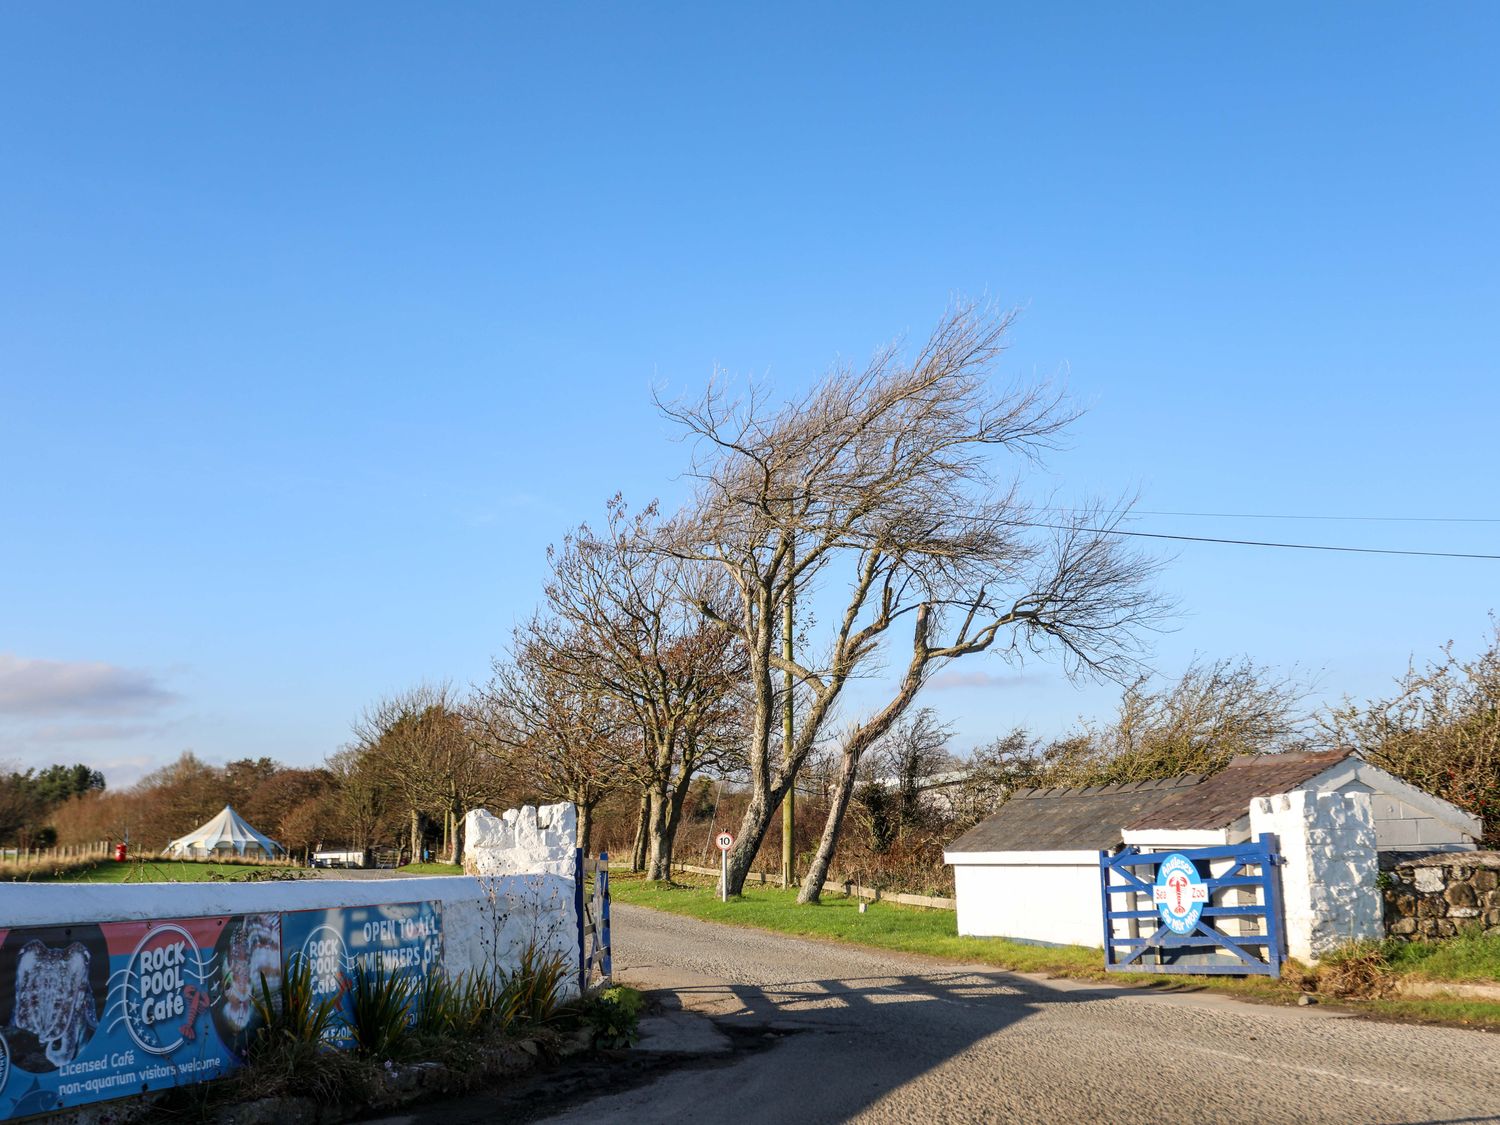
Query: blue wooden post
x=603, y=890
x=583, y=963
x=1109, y=926
x=1275, y=921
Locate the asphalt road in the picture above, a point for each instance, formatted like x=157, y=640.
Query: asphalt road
x=877, y=1037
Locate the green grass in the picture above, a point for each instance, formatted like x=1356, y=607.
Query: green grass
x=907, y=929
x=1471, y=956
x=432, y=869
x=933, y=933
x=157, y=871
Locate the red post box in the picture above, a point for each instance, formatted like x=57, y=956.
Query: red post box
x=119, y=853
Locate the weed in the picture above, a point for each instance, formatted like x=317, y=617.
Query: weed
x=614, y=1015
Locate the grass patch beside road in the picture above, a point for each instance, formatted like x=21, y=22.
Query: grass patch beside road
x=159, y=871
x=905, y=929
x=432, y=869
x=933, y=933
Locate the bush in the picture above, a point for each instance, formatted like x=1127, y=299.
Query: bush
x=381, y=1008
x=529, y=996
x=287, y=1054
x=615, y=1016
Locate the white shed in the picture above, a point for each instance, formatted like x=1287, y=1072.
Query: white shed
x=1030, y=872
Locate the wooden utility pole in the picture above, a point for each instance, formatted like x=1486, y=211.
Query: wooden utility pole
x=788, y=715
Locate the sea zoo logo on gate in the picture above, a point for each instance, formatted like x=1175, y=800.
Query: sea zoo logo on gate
x=163, y=985
x=1180, y=893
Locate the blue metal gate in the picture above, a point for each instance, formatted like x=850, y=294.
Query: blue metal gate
x=1194, y=896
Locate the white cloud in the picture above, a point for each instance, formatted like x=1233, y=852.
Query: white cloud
x=955, y=680
x=32, y=688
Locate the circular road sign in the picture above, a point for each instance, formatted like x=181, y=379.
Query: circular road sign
x=1180, y=893
x=725, y=840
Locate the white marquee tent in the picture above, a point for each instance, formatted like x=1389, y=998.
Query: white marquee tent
x=226, y=834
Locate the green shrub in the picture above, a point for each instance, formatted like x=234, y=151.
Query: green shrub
x=529, y=996
x=615, y=1016
x=287, y=1055
x=380, y=1011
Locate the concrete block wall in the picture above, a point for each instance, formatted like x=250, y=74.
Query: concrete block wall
x=1403, y=827
x=1436, y=896
x=526, y=865
x=1328, y=877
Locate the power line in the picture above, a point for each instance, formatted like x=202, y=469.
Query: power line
x=1257, y=542
x=1354, y=519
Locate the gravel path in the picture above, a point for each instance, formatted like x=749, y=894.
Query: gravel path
x=862, y=1035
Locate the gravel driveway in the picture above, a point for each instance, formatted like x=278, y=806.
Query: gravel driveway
x=874, y=1036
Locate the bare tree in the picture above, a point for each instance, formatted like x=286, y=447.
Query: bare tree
x=624, y=622
x=884, y=479
x=423, y=744
x=551, y=736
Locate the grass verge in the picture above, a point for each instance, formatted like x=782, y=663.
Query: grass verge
x=155, y=871
x=432, y=869
x=932, y=933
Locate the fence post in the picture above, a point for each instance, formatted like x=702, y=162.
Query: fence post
x=602, y=881
x=583, y=965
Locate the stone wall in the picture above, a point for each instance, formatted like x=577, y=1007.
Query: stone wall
x=1435, y=896
x=1330, y=864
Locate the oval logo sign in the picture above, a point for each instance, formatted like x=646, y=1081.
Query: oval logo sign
x=1180, y=893
x=164, y=981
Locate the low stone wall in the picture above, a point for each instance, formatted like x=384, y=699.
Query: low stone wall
x=1435, y=896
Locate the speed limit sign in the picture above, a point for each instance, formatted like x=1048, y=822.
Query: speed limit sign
x=725, y=840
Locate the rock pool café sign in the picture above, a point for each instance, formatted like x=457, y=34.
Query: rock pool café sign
x=90, y=1012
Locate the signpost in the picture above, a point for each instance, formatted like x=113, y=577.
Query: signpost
x=725, y=840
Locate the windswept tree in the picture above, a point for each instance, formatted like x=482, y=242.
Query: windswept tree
x=884, y=491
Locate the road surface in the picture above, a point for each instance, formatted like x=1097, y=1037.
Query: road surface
x=862, y=1035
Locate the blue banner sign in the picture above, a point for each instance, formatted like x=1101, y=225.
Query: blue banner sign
x=90, y=1012
x=93, y=1012
x=403, y=939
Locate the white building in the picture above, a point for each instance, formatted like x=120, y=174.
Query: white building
x=1030, y=872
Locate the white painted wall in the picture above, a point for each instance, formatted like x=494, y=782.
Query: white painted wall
x=1047, y=897
x=524, y=893
x=526, y=865
x=1328, y=844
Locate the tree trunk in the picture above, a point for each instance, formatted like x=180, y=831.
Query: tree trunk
x=585, y=825
x=753, y=827
x=659, y=834
x=638, y=849
x=416, y=836
x=812, y=885
x=458, y=834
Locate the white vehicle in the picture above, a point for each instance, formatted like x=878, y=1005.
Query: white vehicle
x=338, y=859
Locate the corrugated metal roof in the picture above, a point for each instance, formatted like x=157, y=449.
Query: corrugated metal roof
x=1225, y=797
x=1044, y=820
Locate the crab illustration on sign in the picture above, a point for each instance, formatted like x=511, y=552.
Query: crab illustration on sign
x=1180, y=893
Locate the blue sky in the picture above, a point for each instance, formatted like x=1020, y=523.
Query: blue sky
x=318, y=324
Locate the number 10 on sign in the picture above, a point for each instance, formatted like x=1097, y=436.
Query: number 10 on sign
x=725, y=840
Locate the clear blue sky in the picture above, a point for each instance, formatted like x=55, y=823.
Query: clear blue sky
x=318, y=324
